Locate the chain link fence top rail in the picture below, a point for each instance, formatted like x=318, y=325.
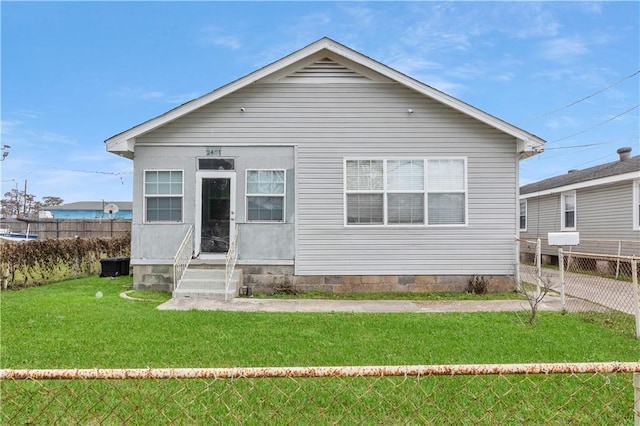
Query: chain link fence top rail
x=584, y=393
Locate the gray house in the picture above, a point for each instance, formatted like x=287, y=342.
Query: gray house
x=337, y=172
x=602, y=203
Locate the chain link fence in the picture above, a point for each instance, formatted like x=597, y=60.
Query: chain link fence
x=586, y=282
x=588, y=393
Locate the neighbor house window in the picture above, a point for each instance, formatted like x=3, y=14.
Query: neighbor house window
x=568, y=211
x=523, y=215
x=636, y=204
x=265, y=195
x=163, y=195
x=405, y=192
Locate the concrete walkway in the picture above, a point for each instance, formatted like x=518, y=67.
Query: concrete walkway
x=550, y=303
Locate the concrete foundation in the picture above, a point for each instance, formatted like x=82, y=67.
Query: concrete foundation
x=153, y=277
x=270, y=279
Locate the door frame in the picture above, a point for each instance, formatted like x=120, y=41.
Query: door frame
x=213, y=174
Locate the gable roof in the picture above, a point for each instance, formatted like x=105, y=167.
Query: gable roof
x=615, y=170
x=124, y=143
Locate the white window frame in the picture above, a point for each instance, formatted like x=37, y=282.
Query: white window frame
x=283, y=196
x=148, y=196
x=464, y=191
x=636, y=205
x=563, y=211
x=526, y=215
x=385, y=192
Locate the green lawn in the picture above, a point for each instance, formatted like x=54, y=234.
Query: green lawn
x=66, y=325
x=84, y=324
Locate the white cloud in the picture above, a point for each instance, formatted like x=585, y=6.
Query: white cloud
x=563, y=122
x=563, y=49
x=212, y=36
x=358, y=15
x=137, y=93
x=182, y=98
x=7, y=126
x=412, y=65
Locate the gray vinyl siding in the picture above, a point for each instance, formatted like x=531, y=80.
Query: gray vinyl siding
x=332, y=121
x=543, y=216
x=266, y=241
x=603, y=213
x=606, y=212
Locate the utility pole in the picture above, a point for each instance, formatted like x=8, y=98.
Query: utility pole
x=24, y=196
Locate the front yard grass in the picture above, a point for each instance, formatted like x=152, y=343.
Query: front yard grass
x=85, y=324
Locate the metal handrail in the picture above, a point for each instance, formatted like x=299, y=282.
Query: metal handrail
x=231, y=259
x=183, y=257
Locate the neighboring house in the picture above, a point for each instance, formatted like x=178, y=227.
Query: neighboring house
x=91, y=210
x=602, y=203
x=340, y=173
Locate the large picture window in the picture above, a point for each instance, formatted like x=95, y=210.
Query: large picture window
x=163, y=195
x=265, y=195
x=405, y=192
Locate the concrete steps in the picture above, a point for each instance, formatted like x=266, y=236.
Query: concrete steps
x=201, y=282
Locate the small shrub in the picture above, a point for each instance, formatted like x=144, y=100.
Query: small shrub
x=285, y=288
x=478, y=285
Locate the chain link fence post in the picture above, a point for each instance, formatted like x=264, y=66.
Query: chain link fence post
x=538, y=266
x=636, y=398
x=636, y=296
x=517, y=270
x=561, y=269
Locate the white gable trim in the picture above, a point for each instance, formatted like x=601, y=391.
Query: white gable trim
x=122, y=143
x=581, y=185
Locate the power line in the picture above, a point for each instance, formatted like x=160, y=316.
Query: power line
x=578, y=146
x=597, y=125
x=585, y=98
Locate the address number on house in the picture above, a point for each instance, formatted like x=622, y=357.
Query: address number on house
x=214, y=151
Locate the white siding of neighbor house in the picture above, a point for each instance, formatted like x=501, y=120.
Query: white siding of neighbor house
x=330, y=121
x=602, y=212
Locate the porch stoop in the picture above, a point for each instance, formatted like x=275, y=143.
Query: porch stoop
x=200, y=282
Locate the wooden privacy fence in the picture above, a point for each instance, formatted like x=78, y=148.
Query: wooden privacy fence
x=70, y=228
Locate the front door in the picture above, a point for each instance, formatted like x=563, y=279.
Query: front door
x=215, y=212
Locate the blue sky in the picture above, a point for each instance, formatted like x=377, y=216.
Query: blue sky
x=77, y=73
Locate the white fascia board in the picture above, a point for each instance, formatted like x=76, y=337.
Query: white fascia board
x=326, y=43
x=581, y=185
x=122, y=147
x=531, y=143
x=154, y=123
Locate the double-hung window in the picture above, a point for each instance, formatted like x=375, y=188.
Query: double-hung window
x=636, y=204
x=405, y=192
x=265, y=195
x=446, y=185
x=568, y=211
x=163, y=195
x=523, y=215
x=365, y=192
